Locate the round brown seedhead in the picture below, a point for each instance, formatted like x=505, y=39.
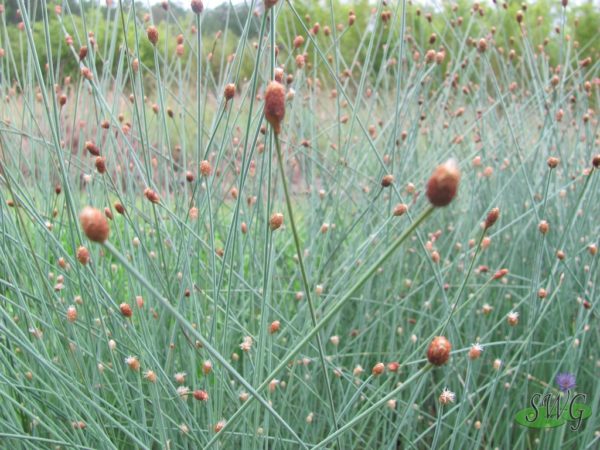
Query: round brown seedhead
x=276, y=221
x=92, y=148
x=553, y=162
x=519, y=16
x=387, y=180
x=197, y=6
x=596, y=161
x=100, y=164
x=200, y=395
x=298, y=41
x=443, y=184
x=126, y=309
x=482, y=45
x=229, y=91
x=83, y=51
x=274, y=327
x=565, y=3
x=438, y=352
x=62, y=99
x=205, y=168
x=270, y=3
x=400, y=209
x=378, y=369
x=275, y=105
x=83, y=255
x=94, y=224
x=151, y=195
x=492, y=217
x=152, y=33
x=543, y=227
x=108, y=213
x=119, y=207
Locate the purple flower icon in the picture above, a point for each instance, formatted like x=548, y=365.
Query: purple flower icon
x=565, y=381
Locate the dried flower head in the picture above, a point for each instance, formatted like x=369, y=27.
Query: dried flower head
x=439, y=351
x=229, y=91
x=543, y=227
x=492, y=217
x=205, y=168
x=71, y=314
x=152, y=33
x=378, y=369
x=475, y=351
x=275, y=105
x=133, y=363
x=387, y=180
x=197, y=6
x=443, y=184
x=126, y=309
x=447, y=397
x=200, y=395
x=276, y=221
x=83, y=255
x=94, y=224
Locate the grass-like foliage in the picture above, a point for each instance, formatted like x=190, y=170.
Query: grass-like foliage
x=289, y=224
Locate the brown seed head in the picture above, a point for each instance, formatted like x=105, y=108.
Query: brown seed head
x=492, y=217
x=152, y=33
x=83, y=51
x=270, y=3
x=151, y=195
x=126, y=309
x=276, y=221
x=197, y=6
x=553, y=162
x=119, y=207
x=378, y=369
x=275, y=105
x=200, y=395
x=92, y=148
x=596, y=161
x=543, y=227
x=387, y=180
x=205, y=168
x=94, y=224
x=83, y=255
x=400, y=209
x=439, y=351
x=229, y=91
x=298, y=41
x=274, y=327
x=443, y=184
x=100, y=164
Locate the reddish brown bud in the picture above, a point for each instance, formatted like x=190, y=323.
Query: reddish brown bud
x=83, y=51
x=151, y=195
x=126, y=309
x=205, y=168
x=270, y=3
x=275, y=105
x=276, y=221
x=443, y=184
x=200, y=395
x=92, y=148
x=387, y=180
x=400, y=209
x=197, y=6
x=152, y=33
x=94, y=224
x=439, y=351
x=120, y=208
x=596, y=161
x=229, y=91
x=274, y=327
x=378, y=369
x=101, y=164
x=83, y=255
x=492, y=217
x=552, y=162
